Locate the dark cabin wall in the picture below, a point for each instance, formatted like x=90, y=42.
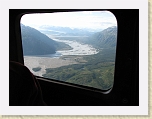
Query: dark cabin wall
x=15, y=44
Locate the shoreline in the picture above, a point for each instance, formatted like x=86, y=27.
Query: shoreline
x=45, y=62
x=60, y=58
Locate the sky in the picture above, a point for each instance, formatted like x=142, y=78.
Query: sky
x=81, y=19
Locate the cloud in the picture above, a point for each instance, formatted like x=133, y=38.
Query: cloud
x=89, y=19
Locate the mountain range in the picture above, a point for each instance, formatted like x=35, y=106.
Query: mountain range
x=36, y=43
x=66, y=31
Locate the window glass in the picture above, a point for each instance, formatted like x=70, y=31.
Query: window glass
x=76, y=47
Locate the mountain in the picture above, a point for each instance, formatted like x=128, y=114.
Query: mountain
x=104, y=39
x=65, y=31
x=36, y=43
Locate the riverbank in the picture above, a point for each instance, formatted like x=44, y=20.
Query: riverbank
x=46, y=62
x=77, y=48
x=60, y=58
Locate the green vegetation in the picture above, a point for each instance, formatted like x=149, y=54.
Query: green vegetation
x=94, y=70
x=36, y=69
x=104, y=39
x=97, y=72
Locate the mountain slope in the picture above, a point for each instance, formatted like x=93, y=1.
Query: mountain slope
x=36, y=43
x=104, y=39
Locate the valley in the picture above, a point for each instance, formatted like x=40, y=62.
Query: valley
x=84, y=60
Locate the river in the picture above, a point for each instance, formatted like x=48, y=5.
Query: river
x=78, y=48
x=54, y=60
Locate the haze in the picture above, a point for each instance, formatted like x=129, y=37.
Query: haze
x=82, y=19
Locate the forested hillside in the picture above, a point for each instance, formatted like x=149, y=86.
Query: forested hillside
x=104, y=39
x=98, y=70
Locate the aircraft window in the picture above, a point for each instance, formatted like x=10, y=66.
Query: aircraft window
x=75, y=47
